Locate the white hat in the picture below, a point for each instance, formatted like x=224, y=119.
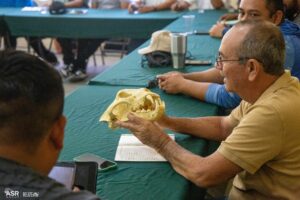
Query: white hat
x=160, y=41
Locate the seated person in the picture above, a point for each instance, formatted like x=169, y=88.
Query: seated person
x=150, y=6
x=76, y=63
x=31, y=127
x=35, y=42
x=192, y=4
x=208, y=85
x=260, y=140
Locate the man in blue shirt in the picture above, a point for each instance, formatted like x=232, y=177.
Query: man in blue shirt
x=208, y=85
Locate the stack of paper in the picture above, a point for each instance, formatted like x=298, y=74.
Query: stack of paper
x=131, y=149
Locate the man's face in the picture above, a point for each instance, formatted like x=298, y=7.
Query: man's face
x=231, y=68
x=254, y=9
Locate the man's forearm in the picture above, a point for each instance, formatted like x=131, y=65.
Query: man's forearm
x=211, y=128
x=165, y=5
x=195, y=89
x=212, y=75
x=74, y=4
x=204, y=172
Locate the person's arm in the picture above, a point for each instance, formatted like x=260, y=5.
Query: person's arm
x=162, y=6
x=124, y=4
x=212, y=75
x=229, y=16
x=217, y=30
x=192, y=84
x=180, y=5
x=175, y=83
x=204, y=172
x=217, y=4
x=74, y=4
x=212, y=128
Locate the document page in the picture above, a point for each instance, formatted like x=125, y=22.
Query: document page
x=131, y=149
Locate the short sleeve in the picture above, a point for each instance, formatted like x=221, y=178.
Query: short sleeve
x=256, y=140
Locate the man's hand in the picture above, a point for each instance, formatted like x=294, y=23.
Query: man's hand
x=148, y=132
x=171, y=82
x=146, y=9
x=180, y=5
x=229, y=16
x=216, y=30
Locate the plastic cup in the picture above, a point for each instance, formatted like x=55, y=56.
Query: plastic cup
x=189, y=23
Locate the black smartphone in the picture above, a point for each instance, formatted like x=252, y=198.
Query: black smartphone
x=86, y=176
x=64, y=172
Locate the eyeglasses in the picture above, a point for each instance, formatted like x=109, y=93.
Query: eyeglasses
x=219, y=61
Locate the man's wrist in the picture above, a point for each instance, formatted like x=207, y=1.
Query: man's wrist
x=163, y=143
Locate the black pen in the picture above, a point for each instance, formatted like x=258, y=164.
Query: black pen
x=200, y=32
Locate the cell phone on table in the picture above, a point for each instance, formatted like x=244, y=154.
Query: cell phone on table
x=198, y=62
x=103, y=164
x=64, y=172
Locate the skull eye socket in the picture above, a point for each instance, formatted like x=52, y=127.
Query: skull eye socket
x=124, y=95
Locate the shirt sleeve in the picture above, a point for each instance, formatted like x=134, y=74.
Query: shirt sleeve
x=256, y=140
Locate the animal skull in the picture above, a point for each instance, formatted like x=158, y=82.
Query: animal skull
x=142, y=102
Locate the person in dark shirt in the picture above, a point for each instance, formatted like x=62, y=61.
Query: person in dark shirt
x=31, y=128
x=35, y=42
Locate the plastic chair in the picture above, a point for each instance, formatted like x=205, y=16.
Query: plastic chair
x=119, y=46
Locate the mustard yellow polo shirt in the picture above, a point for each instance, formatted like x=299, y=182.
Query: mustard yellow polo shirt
x=266, y=144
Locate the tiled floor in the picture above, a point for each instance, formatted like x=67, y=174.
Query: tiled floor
x=92, y=70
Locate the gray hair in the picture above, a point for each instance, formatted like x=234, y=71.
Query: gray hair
x=265, y=43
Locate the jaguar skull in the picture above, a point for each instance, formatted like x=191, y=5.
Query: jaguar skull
x=142, y=102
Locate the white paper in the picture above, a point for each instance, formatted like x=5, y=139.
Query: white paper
x=130, y=148
x=27, y=8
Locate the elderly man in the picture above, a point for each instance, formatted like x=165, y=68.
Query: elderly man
x=208, y=85
x=260, y=139
x=31, y=127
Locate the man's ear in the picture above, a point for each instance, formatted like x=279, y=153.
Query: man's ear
x=277, y=17
x=253, y=68
x=57, y=132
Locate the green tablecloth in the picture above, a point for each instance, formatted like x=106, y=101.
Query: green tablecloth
x=130, y=72
x=202, y=22
x=202, y=47
x=132, y=180
x=94, y=24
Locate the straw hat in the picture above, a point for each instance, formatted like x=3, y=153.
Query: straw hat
x=160, y=41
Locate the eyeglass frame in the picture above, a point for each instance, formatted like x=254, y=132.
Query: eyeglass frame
x=219, y=61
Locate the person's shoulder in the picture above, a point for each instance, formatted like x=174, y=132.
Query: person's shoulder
x=17, y=177
x=69, y=195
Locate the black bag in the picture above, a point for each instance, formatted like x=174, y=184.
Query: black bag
x=157, y=59
x=57, y=8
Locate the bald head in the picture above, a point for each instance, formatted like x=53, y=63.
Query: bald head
x=260, y=40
